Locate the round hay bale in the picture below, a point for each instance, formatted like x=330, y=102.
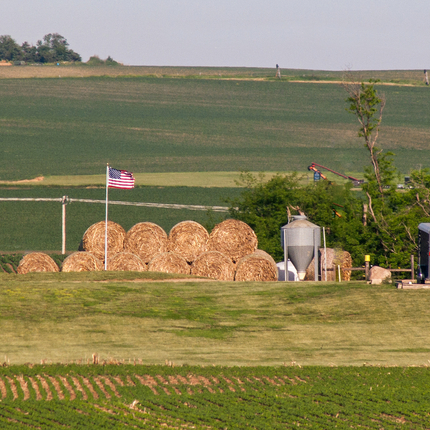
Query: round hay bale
x=213, y=264
x=145, y=239
x=335, y=257
x=189, y=239
x=264, y=254
x=37, y=262
x=169, y=262
x=346, y=262
x=94, y=239
x=81, y=262
x=258, y=266
x=233, y=238
x=126, y=262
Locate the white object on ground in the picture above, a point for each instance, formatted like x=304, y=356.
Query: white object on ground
x=292, y=272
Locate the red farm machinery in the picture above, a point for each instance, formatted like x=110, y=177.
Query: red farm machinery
x=315, y=167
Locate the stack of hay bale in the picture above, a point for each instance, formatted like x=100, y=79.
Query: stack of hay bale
x=228, y=253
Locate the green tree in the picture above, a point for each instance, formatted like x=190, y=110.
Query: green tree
x=393, y=216
x=54, y=48
x=264, y=207
x=366, y=104
x=267, y=206
x=9, y=49
x=28, y=53
x=95, y=60
x=111, y=62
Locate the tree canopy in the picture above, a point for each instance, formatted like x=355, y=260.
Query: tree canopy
x=267, y=206
x=51, y=49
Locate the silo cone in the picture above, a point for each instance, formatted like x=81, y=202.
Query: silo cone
x=302, y=238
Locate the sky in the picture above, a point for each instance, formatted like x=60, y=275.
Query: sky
x=299, y=34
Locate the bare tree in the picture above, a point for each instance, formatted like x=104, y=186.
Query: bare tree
x=367, y=106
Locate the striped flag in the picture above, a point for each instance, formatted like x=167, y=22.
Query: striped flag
x=120, y=179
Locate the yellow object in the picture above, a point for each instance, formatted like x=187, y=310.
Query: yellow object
x=367, y=258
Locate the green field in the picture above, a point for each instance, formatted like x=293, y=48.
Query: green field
x=74, y=126
x=124, y=396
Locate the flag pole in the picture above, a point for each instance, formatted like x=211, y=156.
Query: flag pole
x=106, y=222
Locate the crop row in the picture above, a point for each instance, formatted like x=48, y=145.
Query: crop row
x=190, y=397
x=71, y=387
x=9, y=262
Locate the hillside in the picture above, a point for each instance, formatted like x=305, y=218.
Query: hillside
x=66, y=317
x=162, y=123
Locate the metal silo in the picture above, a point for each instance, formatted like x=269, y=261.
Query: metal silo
x=301, y=240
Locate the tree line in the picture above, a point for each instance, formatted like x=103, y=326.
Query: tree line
x=51, y=49
x=378, y=220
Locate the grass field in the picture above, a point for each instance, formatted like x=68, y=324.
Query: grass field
x=67, y=317
x=71, y=126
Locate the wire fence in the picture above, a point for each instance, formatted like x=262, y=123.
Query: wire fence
x=65, y=200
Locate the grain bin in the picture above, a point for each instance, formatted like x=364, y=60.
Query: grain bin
x=301, y=240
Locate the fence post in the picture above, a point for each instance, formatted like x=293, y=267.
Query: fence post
x=367, y=264
x=412, y=267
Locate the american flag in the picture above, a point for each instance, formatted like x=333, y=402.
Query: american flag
x=120, y=179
